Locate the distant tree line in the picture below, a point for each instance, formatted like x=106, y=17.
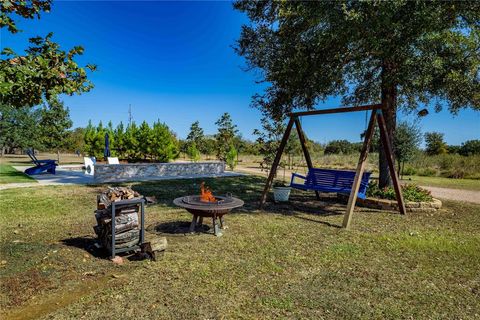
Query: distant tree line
x=156, y=142
x=44, y=127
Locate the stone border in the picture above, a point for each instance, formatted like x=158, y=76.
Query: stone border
x=384, y=204
x=392, y=205
x=153, y=171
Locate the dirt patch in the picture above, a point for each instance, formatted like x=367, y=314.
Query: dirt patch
x=23, y=286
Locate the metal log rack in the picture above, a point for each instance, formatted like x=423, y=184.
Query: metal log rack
x=140, y=201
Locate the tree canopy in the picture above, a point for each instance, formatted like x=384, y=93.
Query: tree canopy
x=27, y=9
x=227, y=131
x=309, y=50
x=42, y=73
x=54, y=124
x=402, y=53
x=44, y=70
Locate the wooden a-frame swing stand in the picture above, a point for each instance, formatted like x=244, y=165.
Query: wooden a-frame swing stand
x=377, y=116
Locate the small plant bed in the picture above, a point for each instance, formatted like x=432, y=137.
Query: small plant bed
x=416, y=198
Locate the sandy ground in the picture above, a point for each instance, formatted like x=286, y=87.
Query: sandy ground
x=455, y=194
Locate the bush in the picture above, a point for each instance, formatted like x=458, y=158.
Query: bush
x=231, y=157
x=193, y=152
x=434, y=143
x=409, y=171
x=340, y=147
x=469, y=148
x=427, y=172
x=410, y=192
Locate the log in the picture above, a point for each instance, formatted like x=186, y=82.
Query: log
x=154, y=246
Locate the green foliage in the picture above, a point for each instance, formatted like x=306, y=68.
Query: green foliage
x=408, y=137
x=401, y=53
x=225, y=135
x=434, y=143
x=410, y=192
x=196, y=135
x=54, y=125
x=193, y=152
x=164, y=143
x=27, y=9
x=446, y=165
x=268, y=140
x=44, y=71
x=340, y=147
x=309, y=50
x=19, y=128
x=231, y=158
x=133, y=143
x=145, y=137
x=453, y=149
x=75, y=140
x=470, y=147
x=209, y=146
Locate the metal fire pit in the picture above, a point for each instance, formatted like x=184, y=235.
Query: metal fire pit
x=200, y=209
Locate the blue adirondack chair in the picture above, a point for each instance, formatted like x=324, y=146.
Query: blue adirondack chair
x=328, y=180
x=40, y=165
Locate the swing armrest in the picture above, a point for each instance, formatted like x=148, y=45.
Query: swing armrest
x=297, y=175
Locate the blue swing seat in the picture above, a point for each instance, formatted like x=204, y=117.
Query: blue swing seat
x=328, y=180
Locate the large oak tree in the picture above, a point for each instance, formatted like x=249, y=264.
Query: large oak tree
x=405, y=54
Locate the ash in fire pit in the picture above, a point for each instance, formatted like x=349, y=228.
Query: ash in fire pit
x=208, y=205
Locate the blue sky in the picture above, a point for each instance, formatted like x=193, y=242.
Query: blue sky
x=174, y=61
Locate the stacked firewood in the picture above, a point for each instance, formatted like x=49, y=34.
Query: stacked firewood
x=127, y=232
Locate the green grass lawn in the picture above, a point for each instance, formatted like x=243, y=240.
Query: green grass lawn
x=8, y=174
x=289, y=261
x=466, y=184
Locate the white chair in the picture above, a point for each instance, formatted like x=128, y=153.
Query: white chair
x=113, y=160
x=89, y=165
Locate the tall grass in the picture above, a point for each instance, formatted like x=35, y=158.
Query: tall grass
x=445, y=165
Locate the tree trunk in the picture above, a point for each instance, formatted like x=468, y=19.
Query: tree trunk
x=389, y=108
x=58, y=155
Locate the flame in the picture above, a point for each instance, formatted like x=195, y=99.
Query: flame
x=205, y=194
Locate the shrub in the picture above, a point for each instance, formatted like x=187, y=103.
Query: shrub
x=470, y=147
x=410, y=192
x=427, y=172
x=435, y=143
x=340, y=147
x=409, y=171
x=192, y=152
x=231, y=157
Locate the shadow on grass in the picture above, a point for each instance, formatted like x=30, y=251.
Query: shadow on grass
x=87, y=244
x=9, y=174
x=177, y=228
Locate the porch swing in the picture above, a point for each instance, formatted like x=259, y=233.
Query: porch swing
x=355, y=182
x=331, y=180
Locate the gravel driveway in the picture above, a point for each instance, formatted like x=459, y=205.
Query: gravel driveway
x=455, y=194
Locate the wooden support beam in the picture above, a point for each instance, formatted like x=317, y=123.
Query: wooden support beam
x=391, y=166
x=276, y=161
x=347, y=219
x=336, y=110
x=303, y=143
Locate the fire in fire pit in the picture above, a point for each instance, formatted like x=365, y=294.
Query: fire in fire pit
x=208, y=205
x=205, y=194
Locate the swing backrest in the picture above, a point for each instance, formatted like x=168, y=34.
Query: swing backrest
x=339, y=180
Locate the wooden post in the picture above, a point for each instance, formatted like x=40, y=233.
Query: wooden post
x=303, y=142
x=388, y=151
x=276, y=161
x=347, y=219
